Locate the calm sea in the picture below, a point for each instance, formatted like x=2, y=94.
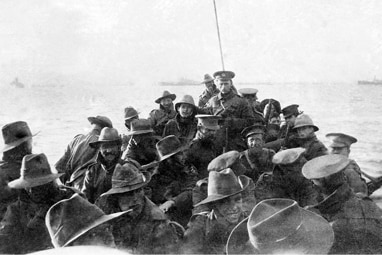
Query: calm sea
x=60, y=112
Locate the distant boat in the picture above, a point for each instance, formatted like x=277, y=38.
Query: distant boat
x=180, y=82
x=17, y=84
x=373, y=82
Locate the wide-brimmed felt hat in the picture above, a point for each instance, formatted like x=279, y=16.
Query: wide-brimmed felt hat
x=254, y=129
x=303, y=120
x=288, y=156
x=140, y=126
x=208, y=121
x=168, y=146
x=339, y=140
x=221, y=185
x=108, y=135
x=130, y=112
x=280, y=226
x=103, y=121
x=71, y=218
x=224, y=75
x=186, y=99
x=35, y=171
x=207, y=78
x=324, y=166
x=290, y=110
x=226, y=160
x=165, y=94
x=248, y=91
x=14, y=134
x=126, y=178
x=276, y=105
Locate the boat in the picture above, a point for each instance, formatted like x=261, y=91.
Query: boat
x=373, y=82
x=15, y=83
x=180, y=82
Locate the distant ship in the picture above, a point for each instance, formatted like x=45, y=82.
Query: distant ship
x=17, y=84
x=373, y=82
x=180, y=82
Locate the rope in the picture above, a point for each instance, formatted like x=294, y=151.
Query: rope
x=220, y=43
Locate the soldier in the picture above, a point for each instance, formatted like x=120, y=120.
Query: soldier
x=280, y=226
x=78, y=154
x=287, y=132
x=250, y=94
x=98, y=174
x=256, y=158
x=23, y=229
x=184, y=124
x=340, y=144
x=144, y=228
x=130, y=115
x=159, y=117
x=204, y=147
x=141, y=146
x=234, y=110
x=357, y=222
x=286, y=180
x=307, y=139
x=18, y=142
x=173, y=183
x=208, y=231
x=68, y=227
x=210, y=91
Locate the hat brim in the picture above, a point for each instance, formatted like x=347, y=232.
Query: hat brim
x=139, y=132
x=338, y=145
x=96, y=144
x=171, y=154
x=94, y=120
x=128, y=188
x=22, y=183
x=97, y=222
x=315, y=128
x=14, y=144
x=213, y=198
x=135, y=115
x=172, y=96
x=318, y=237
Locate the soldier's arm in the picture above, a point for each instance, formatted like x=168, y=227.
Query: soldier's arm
x=88, y=187
x=194, y=237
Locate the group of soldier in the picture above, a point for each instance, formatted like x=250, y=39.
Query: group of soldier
x=222, y=176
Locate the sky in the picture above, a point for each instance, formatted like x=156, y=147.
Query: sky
x=147, y=41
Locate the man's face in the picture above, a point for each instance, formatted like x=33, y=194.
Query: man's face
x=250, y=98
x=39, y=193
x=230, y=208
x=210, y=86
x=166, y=102
x=305, y=132
x=109, y=152
x=185, y=110
x=224, y=85
x=206, y=132
x=178, y=158
x=290, y=120
x=132, y=200
x=345, y=151
x=255, y=140
x=328, y=184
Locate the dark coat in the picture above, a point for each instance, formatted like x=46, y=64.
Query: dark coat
x=159, y=117
x=356, y=222
x=183, y=128
x=175, y=183
x=77, y=154
x=206, y=234
x=150, y=233
x=98, y=179
x=236, y=113
x=354, y=178
x=206, y=95
x=313, y=147
x=23, y=229
x=201, y=152
x=9, y=171
x=258, y=161
x=144, y=152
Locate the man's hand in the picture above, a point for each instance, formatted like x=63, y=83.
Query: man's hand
x=167, y=205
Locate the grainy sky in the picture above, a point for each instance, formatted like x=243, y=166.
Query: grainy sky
x=145, y=41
